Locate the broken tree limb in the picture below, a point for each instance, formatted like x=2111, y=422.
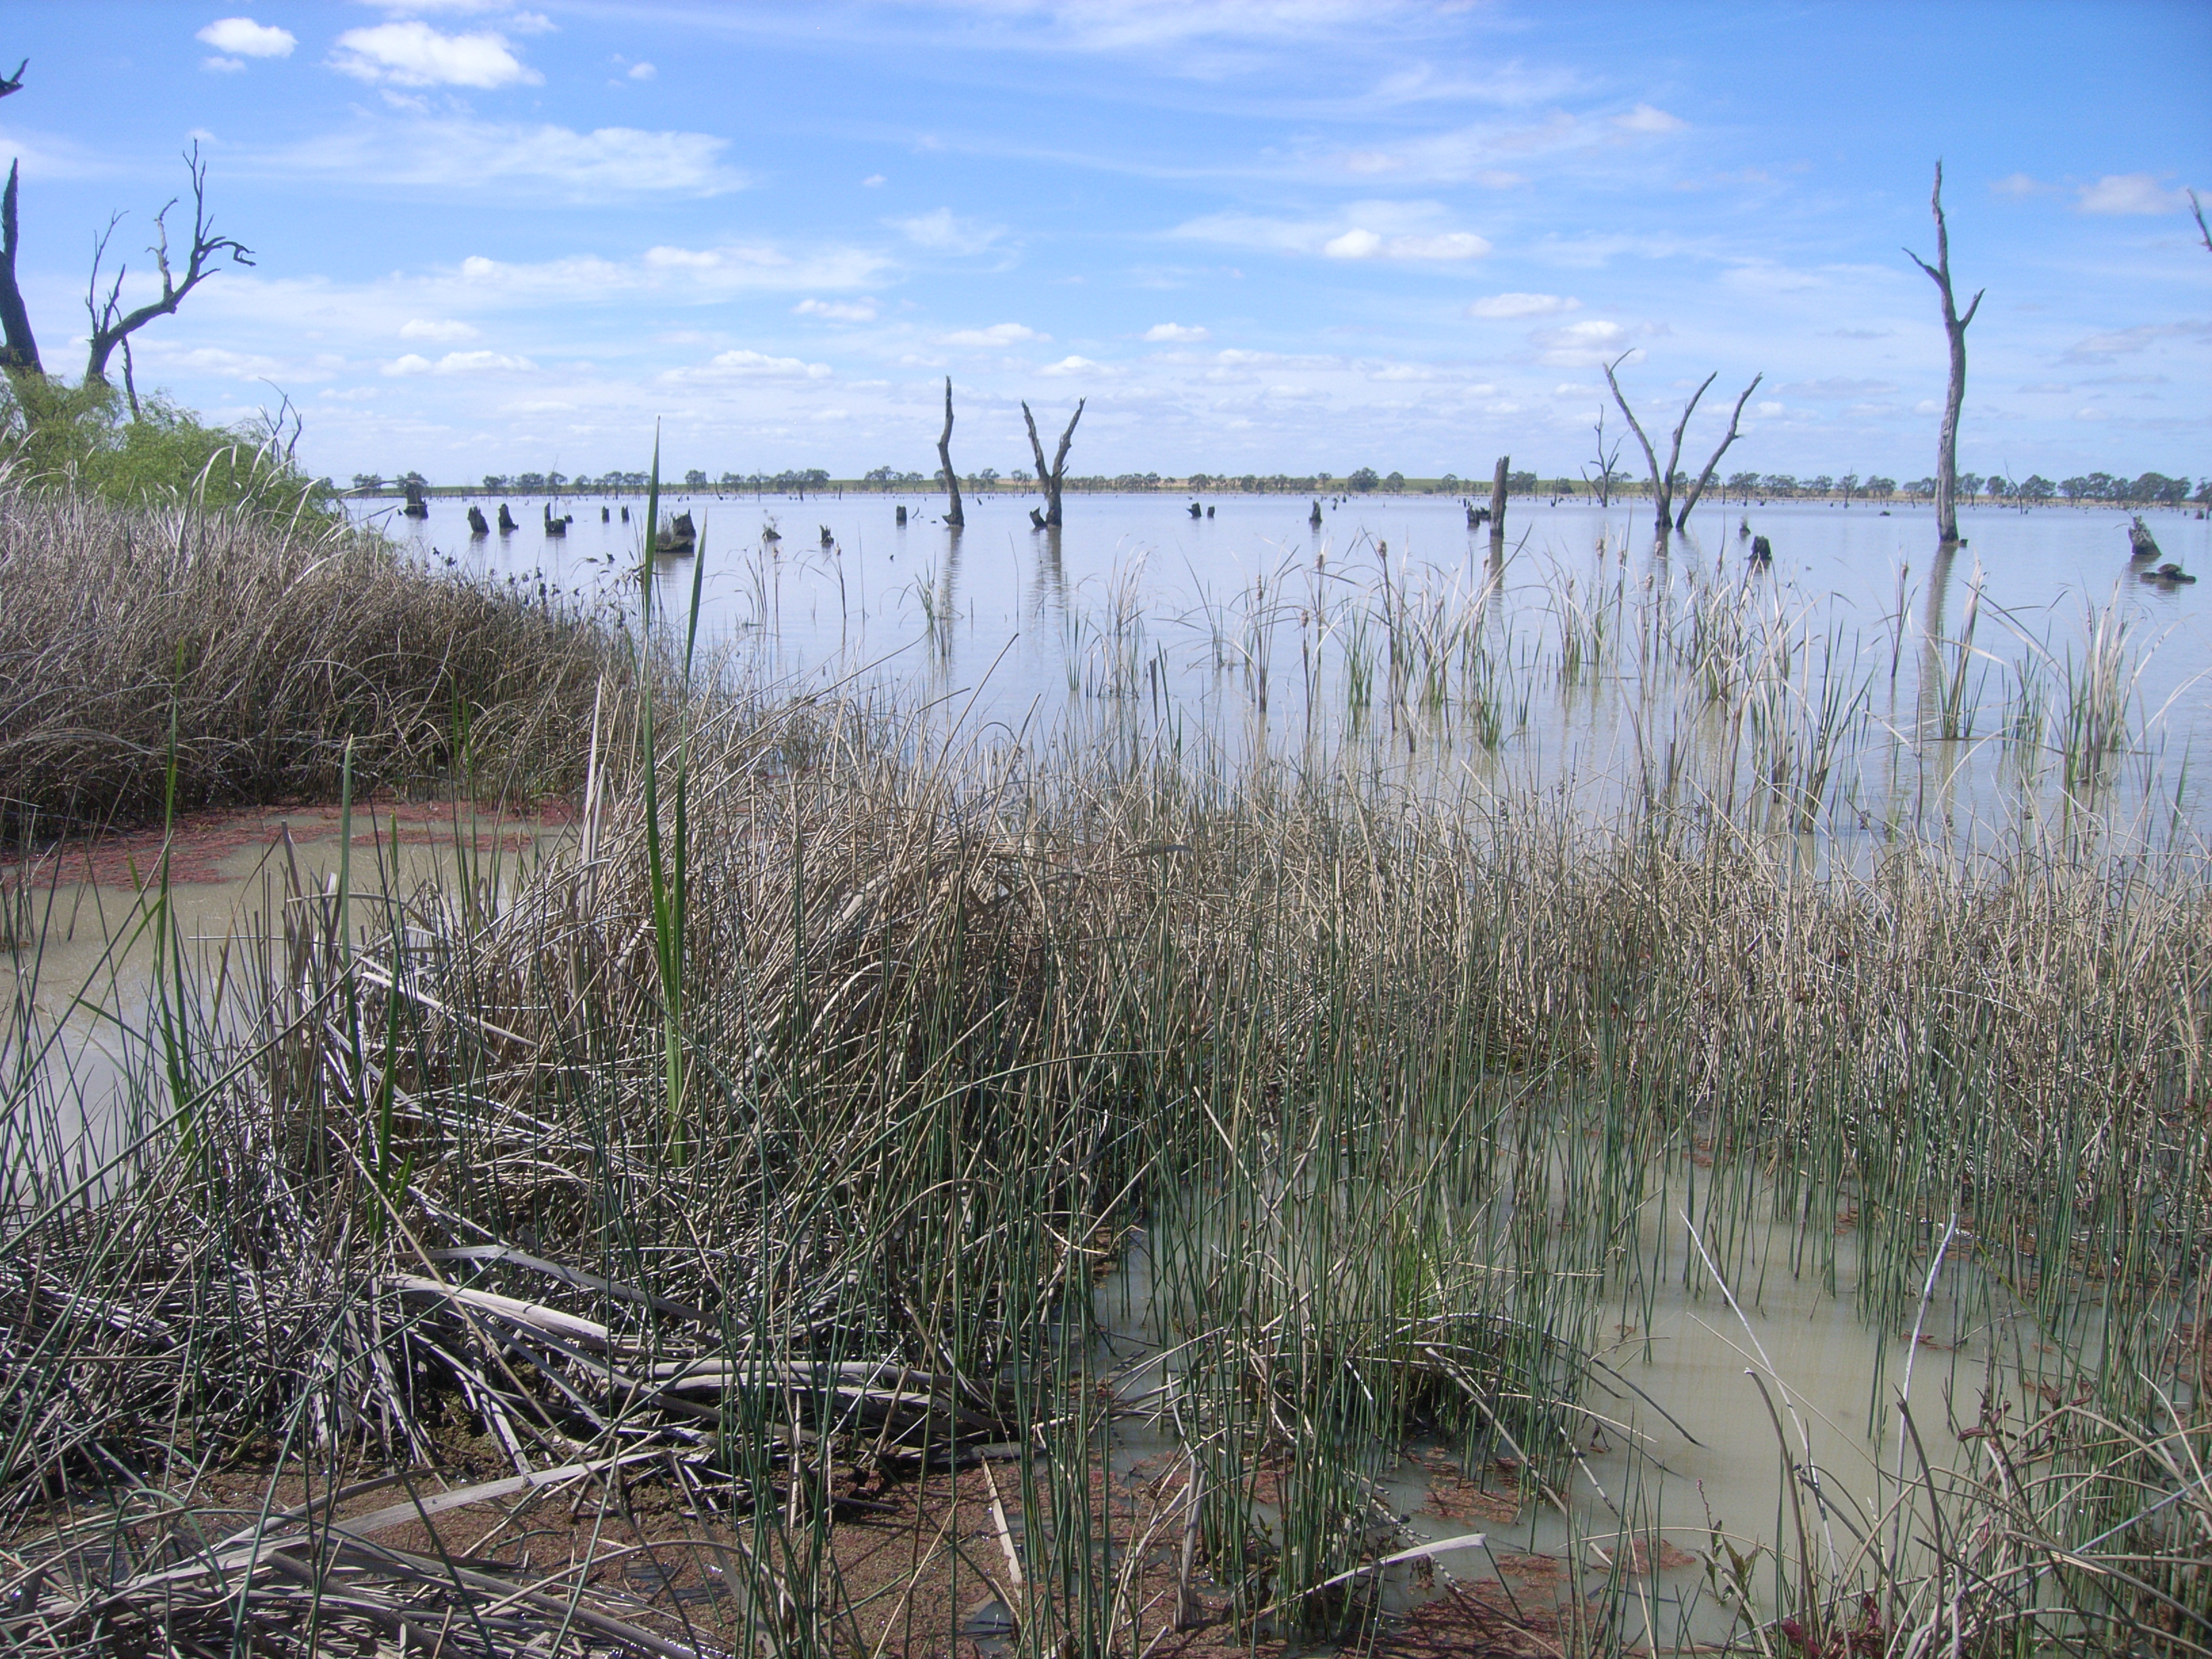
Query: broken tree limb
x=20, y=350
x=1050, y=477
x=111, y=323
x=1497, y=479
x=953, y=515
x=1706, y=476
x=1955, y=326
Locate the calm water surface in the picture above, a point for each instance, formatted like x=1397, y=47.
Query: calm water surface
x=1942, y=687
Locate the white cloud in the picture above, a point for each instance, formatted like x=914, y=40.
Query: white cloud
x=417, y=328
x=1770, y=409
x=1523, y=305
x=643, y=72
x=942, y=229
x=2130, y=192
x=1175, y=334
x=2019, y=184
x=1361, y=244
x=1451, y=245
x=1578, y=345
x=224, y=65
x=460, y=362
x=413, y=54
x=857, y=311
x=242, y=37
x=757, y=366
x=1926, y=406
x=999, y=334
x=1646, y=117
x=873, y=181
x=461, y=153
x=1072, y=365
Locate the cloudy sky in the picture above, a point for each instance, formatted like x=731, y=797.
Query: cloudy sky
x=1257, y=236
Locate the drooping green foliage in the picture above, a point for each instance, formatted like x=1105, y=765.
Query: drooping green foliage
x=90, y=440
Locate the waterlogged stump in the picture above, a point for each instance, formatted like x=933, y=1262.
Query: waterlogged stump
x=2141, y=544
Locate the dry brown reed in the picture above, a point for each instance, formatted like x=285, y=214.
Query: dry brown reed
x=264, y=649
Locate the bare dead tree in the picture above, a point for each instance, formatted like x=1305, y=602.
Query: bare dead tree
x=953, y=515
x=1607, y=465
x=1663, y=484
x=111, y=323
x=1706, y=476
x=2202, y=229
x=1050, y=478
x=1499, y=477
x=20, y=352
x=1954, y=326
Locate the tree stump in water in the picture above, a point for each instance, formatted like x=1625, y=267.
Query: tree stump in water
x=2141, y=543
x=1762, y=550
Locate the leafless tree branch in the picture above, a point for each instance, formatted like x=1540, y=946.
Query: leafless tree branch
x=14, y=83
x=1706, y=476
x=111, y=323
x=1955, y=326
x=2202, y=229
x=1050, y=477
x=1662, y=482
x=953, y=515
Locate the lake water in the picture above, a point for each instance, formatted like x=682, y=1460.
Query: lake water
x=1926, y=690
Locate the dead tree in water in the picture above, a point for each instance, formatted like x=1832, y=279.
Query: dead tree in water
x=1050, y=477
x=111, y=325
x=1498, y=482
x=1663, y=484
x=953, y=515
x=1607, y=465
x=1706, y=476
x=2195, y=207
x=1954, y=326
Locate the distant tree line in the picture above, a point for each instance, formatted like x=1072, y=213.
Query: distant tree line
x=2148, y=489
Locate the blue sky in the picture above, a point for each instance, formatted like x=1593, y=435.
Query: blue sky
x=1272, y=237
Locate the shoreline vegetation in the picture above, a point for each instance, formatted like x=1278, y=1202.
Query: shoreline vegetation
x=1522, y=485
x=636, y=1248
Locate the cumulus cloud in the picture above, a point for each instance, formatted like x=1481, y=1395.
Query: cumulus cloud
x=2130, y=192
x=1523, y=305
x=224, y=65
x=1646, y=117
x=460, y=362
x=946, y=232
x=999, y=334
x=1578, y=345
x=643, y=72
x=841, y=311
x=1361, y=244
x=242, y=37
x=873, y=181
x=2018, y=184
x=413, y=54
x=1175, y=334
x=419, y=328
x=757, y=366
x=1071, y=365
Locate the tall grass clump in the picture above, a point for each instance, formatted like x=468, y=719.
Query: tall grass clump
x=269, y=644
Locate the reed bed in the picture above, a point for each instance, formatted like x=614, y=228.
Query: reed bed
x=794, y=1135
x=210, y=656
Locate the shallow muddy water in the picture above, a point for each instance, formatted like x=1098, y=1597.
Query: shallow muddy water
x=90, y=919
x=1679, y=1453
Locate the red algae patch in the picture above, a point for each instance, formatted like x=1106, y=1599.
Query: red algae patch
x=219, y=844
